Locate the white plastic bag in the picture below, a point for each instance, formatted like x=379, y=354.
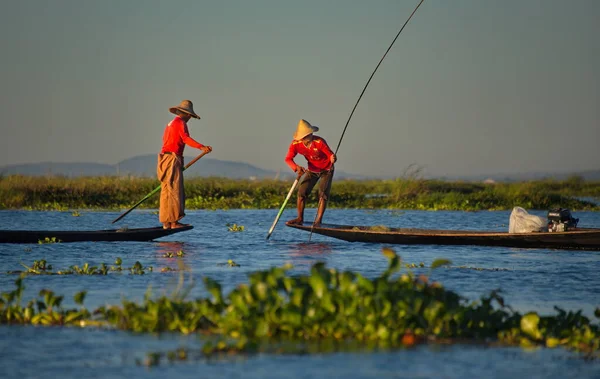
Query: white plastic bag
x=523, y=222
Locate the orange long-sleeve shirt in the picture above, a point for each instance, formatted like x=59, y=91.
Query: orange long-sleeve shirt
x=318, y=154
x=176, y=136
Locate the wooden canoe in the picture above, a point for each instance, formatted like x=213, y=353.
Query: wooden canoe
x=579, y=238
x=37, y=236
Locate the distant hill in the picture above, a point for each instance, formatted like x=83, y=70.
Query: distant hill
x=145, y=166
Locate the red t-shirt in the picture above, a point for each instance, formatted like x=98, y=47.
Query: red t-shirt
x=317, y=155
x=176, y=136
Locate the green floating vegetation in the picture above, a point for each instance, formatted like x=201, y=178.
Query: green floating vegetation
x=407, y=192
x=178, y=254
x=279, y=313
x=49, y=240
x=235, y=227
x=230, y=263
x=41, y=267
x=414, y=265
x=481, y=268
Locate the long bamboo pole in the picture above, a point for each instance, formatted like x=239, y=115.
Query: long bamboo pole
x=287, y=198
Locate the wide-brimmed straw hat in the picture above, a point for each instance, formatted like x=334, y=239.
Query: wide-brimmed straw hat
x=304, y=128
x=185, y=106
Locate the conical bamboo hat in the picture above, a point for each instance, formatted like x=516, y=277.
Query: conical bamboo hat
x=304, y=128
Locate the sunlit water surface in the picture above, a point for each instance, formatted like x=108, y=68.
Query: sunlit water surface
x=531, y=280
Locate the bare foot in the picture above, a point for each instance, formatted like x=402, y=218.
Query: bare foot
x=317, y=223
x=175, y=225
x=167, y=225
x=296, y=221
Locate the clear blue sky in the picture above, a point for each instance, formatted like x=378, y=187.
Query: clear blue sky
x=470, y=87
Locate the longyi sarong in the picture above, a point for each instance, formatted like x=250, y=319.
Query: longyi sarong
x=172, y=196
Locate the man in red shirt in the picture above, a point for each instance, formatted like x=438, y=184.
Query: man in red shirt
x=320, y=161
x=170, y=165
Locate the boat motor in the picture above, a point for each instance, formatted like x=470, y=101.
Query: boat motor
x=560, y=220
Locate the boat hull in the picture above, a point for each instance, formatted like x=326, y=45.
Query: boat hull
x=578, y=239
x=37, y=236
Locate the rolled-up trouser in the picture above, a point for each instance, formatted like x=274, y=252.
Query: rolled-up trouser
x=172, y=196
x=310, y=179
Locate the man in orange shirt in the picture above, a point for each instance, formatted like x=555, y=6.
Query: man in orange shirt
x=170, y=165
x=320, y=161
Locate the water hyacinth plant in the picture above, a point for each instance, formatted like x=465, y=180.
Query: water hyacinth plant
x=42, y=268
x=235, y=227
x=49, y=240
x=326, y=309
x=177, y=254
x=230, y=263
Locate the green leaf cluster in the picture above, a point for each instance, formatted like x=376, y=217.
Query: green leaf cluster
x=276, y=311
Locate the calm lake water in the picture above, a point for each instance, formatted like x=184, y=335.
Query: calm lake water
x=531, y=280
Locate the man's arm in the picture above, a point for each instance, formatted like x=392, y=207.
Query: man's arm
x=289, y=158
x=185, y=137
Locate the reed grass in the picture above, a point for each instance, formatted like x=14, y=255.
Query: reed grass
x=61, y=193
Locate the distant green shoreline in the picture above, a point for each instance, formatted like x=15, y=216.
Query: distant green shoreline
x=60, y=193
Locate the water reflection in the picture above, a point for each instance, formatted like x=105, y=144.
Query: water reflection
x=307, y=248
x=166, y=251
x=306, y=254
x=169, y=247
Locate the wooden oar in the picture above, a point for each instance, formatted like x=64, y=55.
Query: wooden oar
x=157, y=189
x=283, y=205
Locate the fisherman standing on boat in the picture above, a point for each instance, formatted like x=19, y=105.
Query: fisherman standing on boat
x=170, y=165
x=320, y=161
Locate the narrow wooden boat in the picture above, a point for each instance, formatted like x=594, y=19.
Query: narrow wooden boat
x=578, y=238
x=41, y=236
